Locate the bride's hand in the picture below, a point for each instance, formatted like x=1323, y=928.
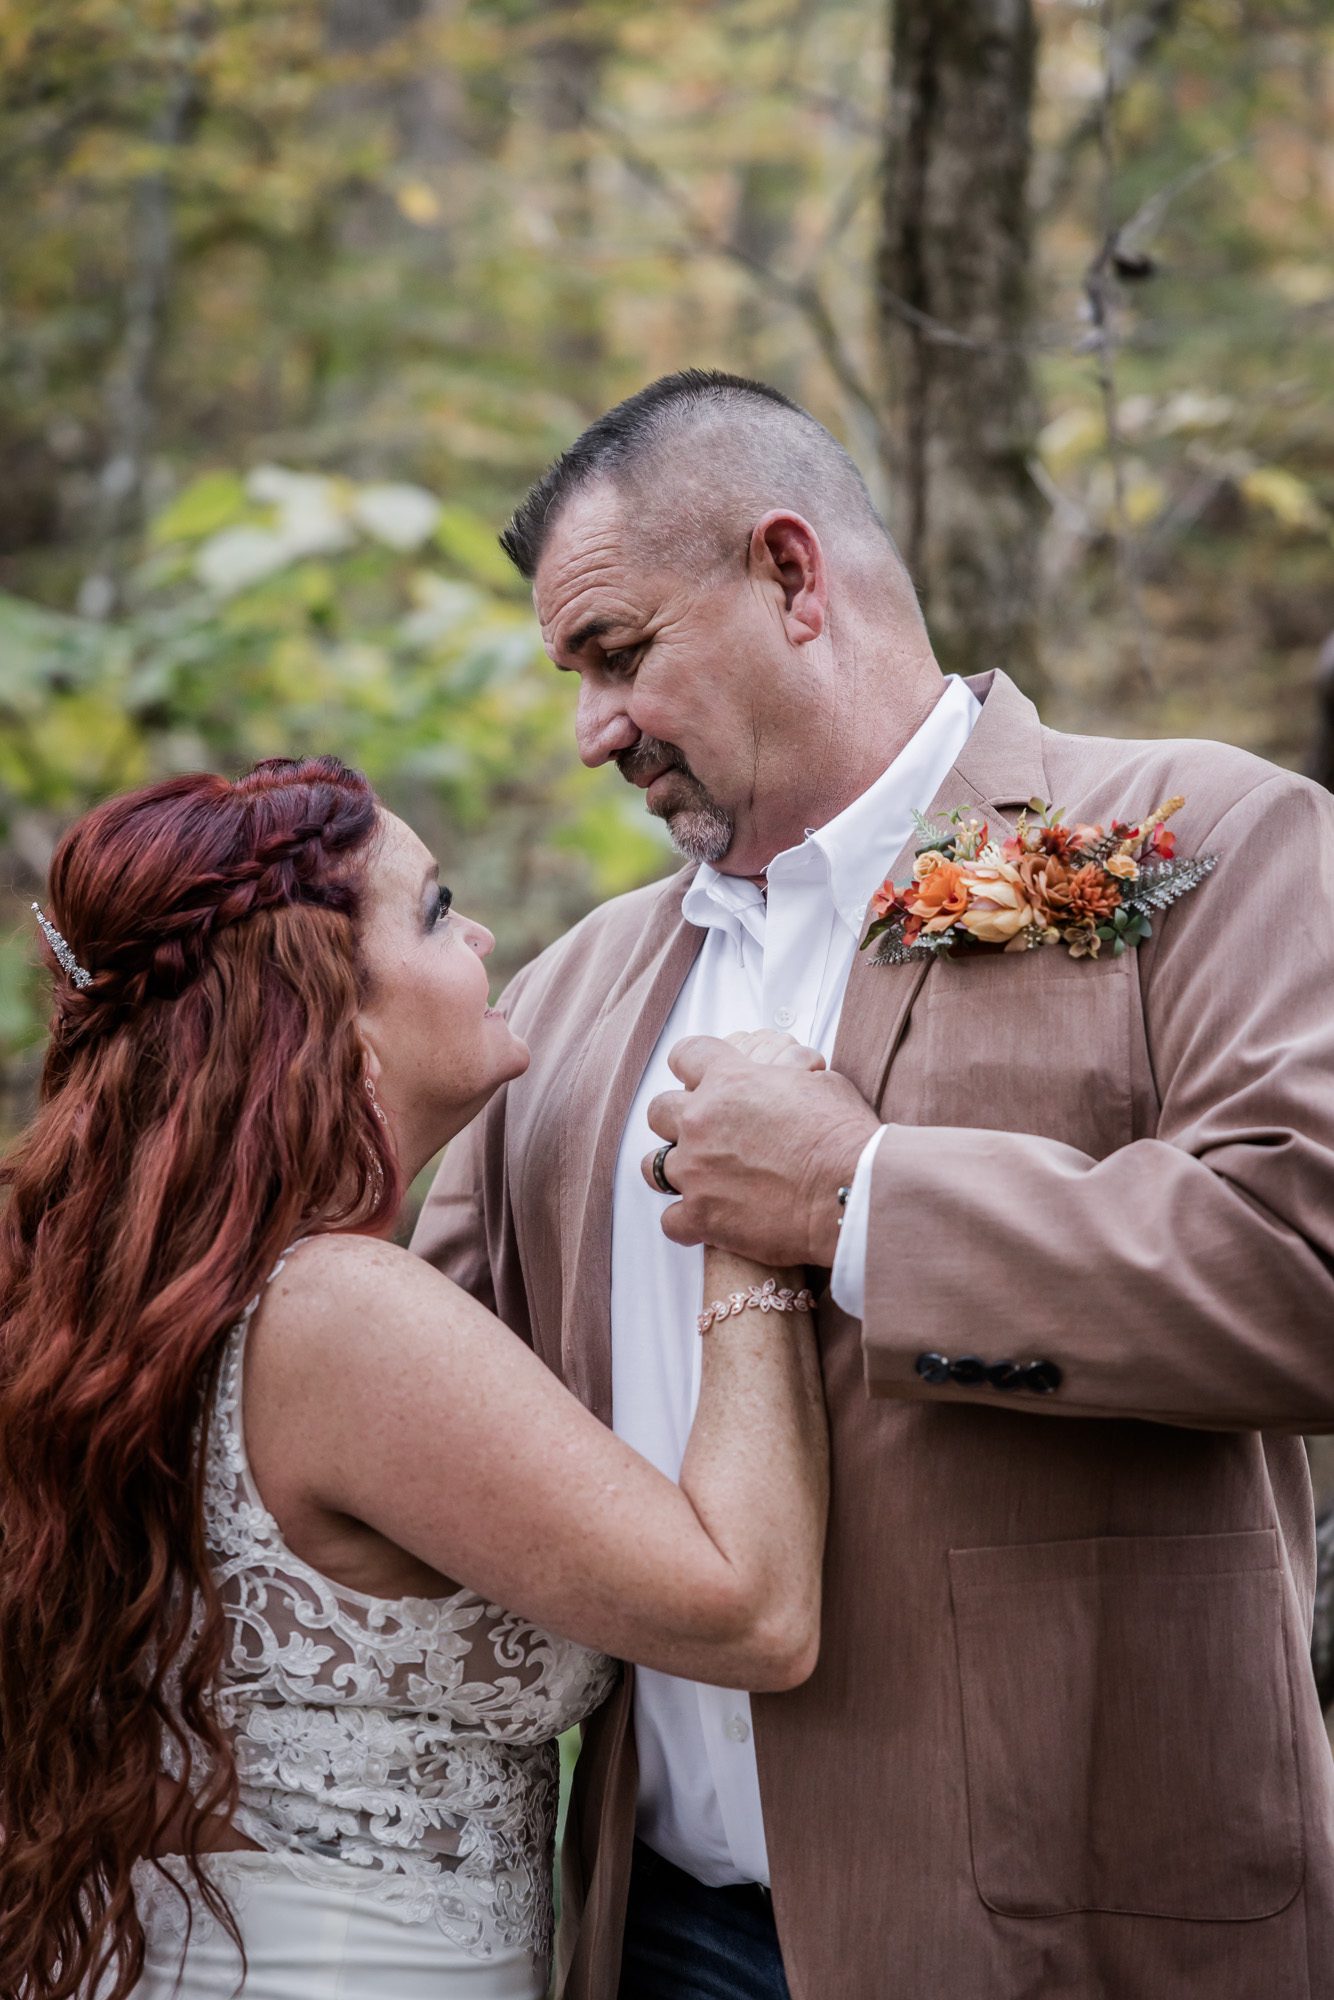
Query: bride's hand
x=723, y=1271
x=767, y=1045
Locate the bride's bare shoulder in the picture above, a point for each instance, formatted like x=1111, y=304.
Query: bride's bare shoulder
x=348, y=1283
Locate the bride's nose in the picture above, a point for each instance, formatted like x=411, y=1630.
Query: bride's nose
x=480, y=938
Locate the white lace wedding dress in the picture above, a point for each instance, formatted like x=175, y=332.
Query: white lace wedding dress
x=398, y=1770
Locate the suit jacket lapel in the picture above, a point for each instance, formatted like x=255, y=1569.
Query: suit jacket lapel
x=999, y=768
x=613, y=1060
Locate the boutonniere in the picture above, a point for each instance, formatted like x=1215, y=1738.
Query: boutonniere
x=1083, y=887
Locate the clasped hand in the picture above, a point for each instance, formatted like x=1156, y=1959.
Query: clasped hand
x=763, y=1135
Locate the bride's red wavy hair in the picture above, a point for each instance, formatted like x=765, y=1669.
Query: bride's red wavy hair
x=202, y=1104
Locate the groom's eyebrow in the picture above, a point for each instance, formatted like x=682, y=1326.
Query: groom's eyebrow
x=593, y=628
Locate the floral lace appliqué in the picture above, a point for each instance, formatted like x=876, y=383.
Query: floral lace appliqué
x=414, y=1738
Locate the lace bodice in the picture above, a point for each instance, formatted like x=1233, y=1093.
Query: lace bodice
x=412, y=1737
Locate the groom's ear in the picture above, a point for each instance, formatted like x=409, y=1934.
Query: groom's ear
x=785, y=552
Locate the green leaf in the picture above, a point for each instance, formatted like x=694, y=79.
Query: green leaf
x=470, y=543
x=206, y=505
x=622, y=848
x=22, y=993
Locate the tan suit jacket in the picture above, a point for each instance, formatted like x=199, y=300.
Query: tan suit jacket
x=1063, y=1739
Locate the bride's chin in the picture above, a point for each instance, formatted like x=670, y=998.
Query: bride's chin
x=520, y=1056
x=513, y=1063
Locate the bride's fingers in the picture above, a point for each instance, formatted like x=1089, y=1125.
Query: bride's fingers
x=748, y=1040
x=799, y=1057
x=767, y=1045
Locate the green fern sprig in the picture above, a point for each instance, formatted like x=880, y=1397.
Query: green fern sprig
x=934, y=837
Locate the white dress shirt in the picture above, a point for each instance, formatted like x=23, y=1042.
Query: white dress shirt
x=780, y=962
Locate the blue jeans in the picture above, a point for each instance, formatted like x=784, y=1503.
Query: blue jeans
x=684, y=1941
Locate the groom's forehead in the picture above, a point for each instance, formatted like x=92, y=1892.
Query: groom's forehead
x=591, y=571
x=588, y=536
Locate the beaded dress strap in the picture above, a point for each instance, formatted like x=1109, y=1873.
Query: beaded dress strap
x=252, y=1307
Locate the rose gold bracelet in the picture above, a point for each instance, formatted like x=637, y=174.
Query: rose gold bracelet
x=766, y=1298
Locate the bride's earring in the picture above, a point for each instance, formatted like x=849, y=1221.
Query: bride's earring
x=376, y=1106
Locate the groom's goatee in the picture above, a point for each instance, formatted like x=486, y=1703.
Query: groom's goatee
x=698, y=826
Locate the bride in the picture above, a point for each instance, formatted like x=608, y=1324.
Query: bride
x=305, y=1560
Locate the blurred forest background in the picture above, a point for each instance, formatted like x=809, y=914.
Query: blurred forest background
x=297, y=295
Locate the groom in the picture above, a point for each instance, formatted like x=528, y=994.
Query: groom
x=1062, y=1740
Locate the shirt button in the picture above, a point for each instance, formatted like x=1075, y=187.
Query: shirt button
x=783, y=1017
x=737, y=1729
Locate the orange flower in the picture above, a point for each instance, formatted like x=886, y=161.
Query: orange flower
x=1057, y=840
x=1046, y=880
x=1092, y=896
x=940, y=898
x=884, y=899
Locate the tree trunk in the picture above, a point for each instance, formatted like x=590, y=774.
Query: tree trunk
x=131, y=387
x=953, y=314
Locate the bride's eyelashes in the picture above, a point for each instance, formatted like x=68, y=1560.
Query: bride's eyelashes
x=439, y=907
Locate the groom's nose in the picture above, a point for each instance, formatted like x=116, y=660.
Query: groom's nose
x=602, y=724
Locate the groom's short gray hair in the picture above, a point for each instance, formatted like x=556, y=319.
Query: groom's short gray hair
x=702, y=456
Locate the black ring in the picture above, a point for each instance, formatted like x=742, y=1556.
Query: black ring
x=660, y=1168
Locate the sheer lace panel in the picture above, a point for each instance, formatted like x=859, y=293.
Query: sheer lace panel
x=411, y=1737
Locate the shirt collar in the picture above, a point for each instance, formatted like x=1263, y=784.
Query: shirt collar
x=858, y=846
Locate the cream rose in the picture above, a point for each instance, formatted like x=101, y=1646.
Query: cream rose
x=997, y=907
x=926, y=863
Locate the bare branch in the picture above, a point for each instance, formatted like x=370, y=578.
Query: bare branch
x=1140, y=39
x=1144, y=224
x=801, y=294
x=129, y=391
x=1102, y=292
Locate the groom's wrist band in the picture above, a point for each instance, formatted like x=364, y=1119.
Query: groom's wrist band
x=769, y=1297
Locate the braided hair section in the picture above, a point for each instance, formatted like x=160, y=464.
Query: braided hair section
x=148, y=883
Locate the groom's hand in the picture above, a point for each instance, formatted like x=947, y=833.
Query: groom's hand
x=759, y=1152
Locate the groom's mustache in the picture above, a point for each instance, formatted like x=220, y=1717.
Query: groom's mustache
x=648, y=759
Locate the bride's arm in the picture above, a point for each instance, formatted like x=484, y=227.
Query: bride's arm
x=401, y=1402
x=759, y=1443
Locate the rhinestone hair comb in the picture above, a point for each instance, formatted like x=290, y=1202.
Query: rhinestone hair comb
x=62, y=951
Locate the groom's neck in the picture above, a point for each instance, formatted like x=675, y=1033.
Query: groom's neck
x=847, y=770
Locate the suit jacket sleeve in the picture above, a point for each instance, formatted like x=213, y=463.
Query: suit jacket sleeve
x=1186, y=1278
